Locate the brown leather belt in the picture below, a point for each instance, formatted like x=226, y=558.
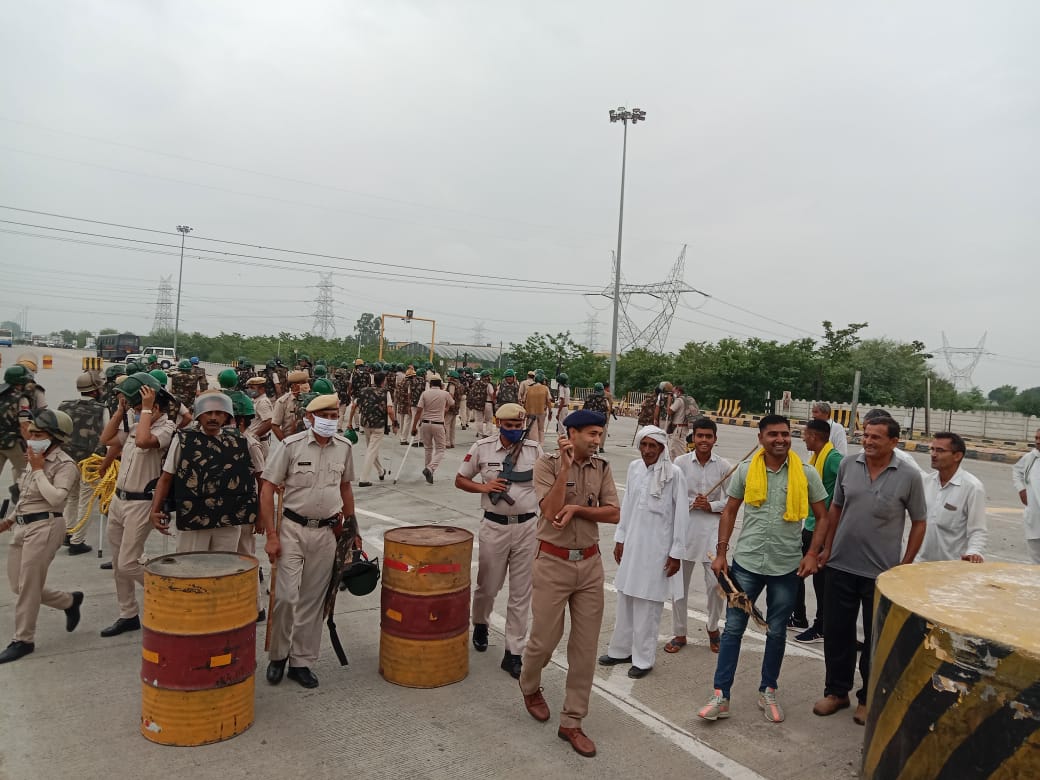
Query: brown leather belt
x=568, y=554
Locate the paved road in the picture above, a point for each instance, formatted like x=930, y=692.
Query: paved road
x=74, y=705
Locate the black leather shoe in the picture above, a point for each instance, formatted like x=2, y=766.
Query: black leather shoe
x=512, y=664
x=67, y=540
x=480, y=637
x=364, y=484
x=122, y=625
x=106, y=566
x=303, y=676
x=79, y=549
x=261, y=616
x=72, y=613
x=636, y=672
x=609, y=660
x=428, y=474
x=16, y=650
x=382, y=476
x=275, y=670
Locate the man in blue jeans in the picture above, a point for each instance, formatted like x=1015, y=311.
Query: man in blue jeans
x=778, y=490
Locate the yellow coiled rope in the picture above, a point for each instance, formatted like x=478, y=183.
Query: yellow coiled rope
x=104, y=486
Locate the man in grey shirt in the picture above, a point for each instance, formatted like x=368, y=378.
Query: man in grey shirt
x=862, y=537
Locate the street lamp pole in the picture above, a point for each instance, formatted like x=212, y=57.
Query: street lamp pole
x=623, y=115
x=184, y=230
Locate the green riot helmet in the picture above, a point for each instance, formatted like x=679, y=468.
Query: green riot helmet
x=320, y=370
x=539, y=375
x=360, y=575
x=485, y=372
x=243, y=406
x=227, y=379
x=508, y=372
x=319, y=362
x=323, y=387
x=562, y=379
x=17, y=375
x=303, y=359
x=149, y=359
x=246, y=364
x=344, y=364
x=184, y=365
x=133, y=367
x=131, y=386
x=113, y=371
x=453, y=374
x=160, y=376
x=57, y=424
x=350, y=435
x=598, y=387
x=272, y=363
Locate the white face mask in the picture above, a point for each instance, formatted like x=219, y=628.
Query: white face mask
x=39, y=446
x=324, y=427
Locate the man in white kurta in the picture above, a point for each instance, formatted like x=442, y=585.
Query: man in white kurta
x=1026, y=479
x=649, y=542
x=704, y=471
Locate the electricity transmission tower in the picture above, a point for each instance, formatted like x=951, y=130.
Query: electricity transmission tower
x=667, y=293
x=591, y=334
x=478, y=332
x=961, y=374
x=163, y=322
x=324, y=318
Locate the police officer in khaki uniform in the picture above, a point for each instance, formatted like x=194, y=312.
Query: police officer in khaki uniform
x=88, y=417
x=44, y=488
x=316, y=468
x=507, y=534
x=143, y=446
x=576, y=492
x=285, y=420
x=430, y=413
x=263, y=411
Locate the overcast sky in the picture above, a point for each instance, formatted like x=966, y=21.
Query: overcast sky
x=821, y=160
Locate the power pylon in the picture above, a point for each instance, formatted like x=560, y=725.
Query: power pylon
x=324, y=318
x=668, y=293
x=163, y=322
x=478, y=332
x=961, y=375
x=591, y=335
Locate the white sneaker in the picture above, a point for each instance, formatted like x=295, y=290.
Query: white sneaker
x=770, y=706
x=716, y=708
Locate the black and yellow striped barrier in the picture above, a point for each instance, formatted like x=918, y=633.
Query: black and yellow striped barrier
x=955, y=675
x=93, y=364
x=728, y=408
x=843, y=417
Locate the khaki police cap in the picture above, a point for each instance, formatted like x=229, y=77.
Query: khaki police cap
x=120, y=379
x=435, y=377
x=510, y=412
x=298, y=376
x=323, y=402
x=256, y=380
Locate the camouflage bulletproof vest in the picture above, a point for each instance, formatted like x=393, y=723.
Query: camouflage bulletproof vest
x=403, y=395
x=417, y=385
x=301, y=408
x=476, y=396
x=341, y=381
x=646, y=411
x=10, y=429
x=508, y=393
x=372, y=407
x=360, y=378
x=200, y=373
x=184, y=388
x=391, y=384
x=109, y=397
x=596, y=403
x=454, y=389
x=88, y=420
x=243, y=375
x=214, y=486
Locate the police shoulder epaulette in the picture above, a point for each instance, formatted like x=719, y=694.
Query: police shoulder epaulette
x=295, y=437
x=486, y=439
x=341, y=437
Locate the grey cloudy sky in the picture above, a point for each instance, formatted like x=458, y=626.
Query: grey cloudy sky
x=822, y=160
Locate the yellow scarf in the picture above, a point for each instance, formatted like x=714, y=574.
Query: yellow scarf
x=756, y=490
x=818, y=459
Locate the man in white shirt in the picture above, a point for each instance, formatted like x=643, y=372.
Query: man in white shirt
x=1026, y=479
x=821, y=410
x=703, y=469
x=956, y=527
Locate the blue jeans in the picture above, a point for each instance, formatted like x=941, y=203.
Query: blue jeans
x=781, y=594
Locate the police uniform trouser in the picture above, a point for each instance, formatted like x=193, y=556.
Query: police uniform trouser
x=539, y=428
x=489, y=420
x=247, y=546
x=223, y=539
x=16, y=457
x=478, y=421
x=432, y=435
x=677, y=441
x=716, y=604
x=373, y=441
x=304, y=568
x=76, y=506
x=559, y=584
x=505, y=547
x=129, y=523
x=463, y=411
x=30, y=554
x=449, y=428
x=635, y=630
x=561, y=417
x=404, y=424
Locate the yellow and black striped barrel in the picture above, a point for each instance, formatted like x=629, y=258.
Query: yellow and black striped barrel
x=955, y=677
x=93, y=364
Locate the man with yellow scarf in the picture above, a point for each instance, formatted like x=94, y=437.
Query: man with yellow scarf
x=826, y=460
x=778, y=491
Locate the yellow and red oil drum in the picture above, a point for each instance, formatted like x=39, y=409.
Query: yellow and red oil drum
x=424, y=637
x=198, y=647
x=955, y=675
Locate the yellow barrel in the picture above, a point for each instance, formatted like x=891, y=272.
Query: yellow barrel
x=954, y=689
x=93, y=364
x=48, y=361
x=424, y=625
x=198, y=653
